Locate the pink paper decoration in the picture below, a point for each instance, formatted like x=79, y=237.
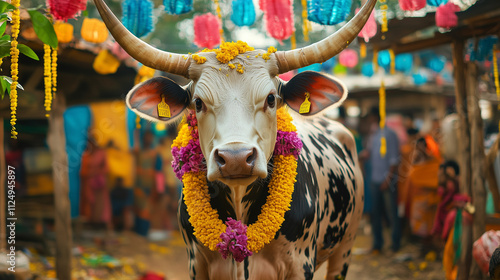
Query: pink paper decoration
x=348, y=58
x=278, y=15
x=66, y=9
x=370, y=28
x=206, y=31
x=119, y=52
x=412, y=5
x=287, y=76
x=445, y=15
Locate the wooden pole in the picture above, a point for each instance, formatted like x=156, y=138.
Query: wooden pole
x=464, y=152
x=478, y=159
x=57, y=144
x=3, y=174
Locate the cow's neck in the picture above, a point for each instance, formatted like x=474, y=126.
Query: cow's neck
x=239, y=202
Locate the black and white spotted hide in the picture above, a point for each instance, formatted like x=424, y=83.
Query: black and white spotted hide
x=320, y=226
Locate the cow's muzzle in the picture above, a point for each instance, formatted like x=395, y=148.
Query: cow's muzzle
x=235, y=164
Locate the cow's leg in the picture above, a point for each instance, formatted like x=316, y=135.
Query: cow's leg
x=338, y=263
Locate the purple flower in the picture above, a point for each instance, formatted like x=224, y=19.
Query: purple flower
x=234, y=241
x=188, y=159
x=287, y=143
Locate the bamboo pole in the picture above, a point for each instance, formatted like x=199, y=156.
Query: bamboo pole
x=3, y=177
x=57, y=144
x=478, y=159
x=464, y=152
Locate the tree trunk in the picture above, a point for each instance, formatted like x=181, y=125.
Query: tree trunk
x=478, y=159
x=464, y=152
x=57, y=144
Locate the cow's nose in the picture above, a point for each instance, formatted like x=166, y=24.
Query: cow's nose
x=235, y=163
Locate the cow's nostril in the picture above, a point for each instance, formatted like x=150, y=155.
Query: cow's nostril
x=252, y=156
x=220, y=160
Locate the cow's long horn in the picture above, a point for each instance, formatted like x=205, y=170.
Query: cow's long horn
x=327, y=48
x=161, y=60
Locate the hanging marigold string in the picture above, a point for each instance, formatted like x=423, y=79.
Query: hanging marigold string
x=54, y=72
x=293, y=41
x=393, y=62
x=495, y=74
x=375, y=60
x=383, y=9
x=305, y=22
x=362, y=49
x=383, y=142
x=219, y=15
x=14, y=67
x=47, y=74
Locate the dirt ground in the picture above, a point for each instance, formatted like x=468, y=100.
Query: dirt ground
x=132, y=255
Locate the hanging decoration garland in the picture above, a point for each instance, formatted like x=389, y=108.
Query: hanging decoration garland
x=446, y=15
x=47, y=74
x=305, y=22
x=233, y=237
x=206, y=31
x=436, y=3
x=393, y=61
x=14, y=67
x=138, y=16
x=412, y=5
x=383, y=142
x=278, y=15
x=219, y=15
x=495, y=74
x=177, y=7
x=66, y=9
x=383, y=10
x=54, y=72
x=328, y=12
x=243, y=12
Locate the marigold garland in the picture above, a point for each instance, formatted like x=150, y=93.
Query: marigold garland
x=14, y=67
x=219, y=15
x=54, y=72
x=496, y=76
x=189, y=164
x=383, y=142
x=47, y=73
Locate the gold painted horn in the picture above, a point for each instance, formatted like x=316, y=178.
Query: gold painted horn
x=152, y=57
x=327, y=48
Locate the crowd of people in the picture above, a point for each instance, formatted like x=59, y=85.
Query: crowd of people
x=411, y=186
x=149, y=206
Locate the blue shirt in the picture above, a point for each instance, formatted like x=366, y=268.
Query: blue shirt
x=381, y=165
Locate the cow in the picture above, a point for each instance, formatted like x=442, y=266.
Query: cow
x=236, y=113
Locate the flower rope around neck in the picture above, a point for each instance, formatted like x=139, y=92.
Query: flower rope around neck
x=233, y=237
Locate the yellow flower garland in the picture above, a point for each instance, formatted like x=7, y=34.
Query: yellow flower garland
x=383, y=142
x=54, y=72
x=14, y=68
x=47, y=73
x=205, y=220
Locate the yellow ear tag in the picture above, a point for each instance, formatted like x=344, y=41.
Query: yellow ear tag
x=305, y=107
x=163, y=108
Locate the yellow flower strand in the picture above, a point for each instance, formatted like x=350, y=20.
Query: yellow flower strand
x=205, y=220
x=47, y=74
x=217, y=8
x=14, y=67
x=393, y=61
x=495, y=74
x=54, y=72
x=383, y=9
x=293, y=41
x=383, y=144
x=375, y=60
x=362, y=49
x=305, y=22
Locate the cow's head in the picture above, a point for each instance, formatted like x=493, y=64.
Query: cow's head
x=236, y=110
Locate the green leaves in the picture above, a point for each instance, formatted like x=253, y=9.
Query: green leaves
x=6, y=7
x=27, y=51
x=5, y=83
x=43, y=28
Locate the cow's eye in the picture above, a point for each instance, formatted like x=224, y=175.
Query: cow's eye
x=271, y=100
x=199, y=105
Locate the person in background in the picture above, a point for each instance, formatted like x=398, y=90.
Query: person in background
x=407, y=152
x=448, y=188
x=384, y=177
x=122, y=201
x=95, y=203
x=423, y=185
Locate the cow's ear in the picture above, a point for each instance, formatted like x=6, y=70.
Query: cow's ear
x=144, y=98
x=324, y=92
